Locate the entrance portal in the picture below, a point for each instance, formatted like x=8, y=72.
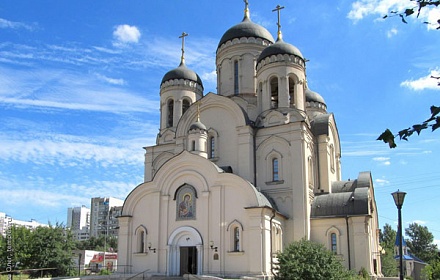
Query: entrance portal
x=188, y=260
x=185, y=252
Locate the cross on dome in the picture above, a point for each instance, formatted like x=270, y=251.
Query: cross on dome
x=182, y=58
x=278, y=9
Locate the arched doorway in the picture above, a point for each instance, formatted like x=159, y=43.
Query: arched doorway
x=185, y=252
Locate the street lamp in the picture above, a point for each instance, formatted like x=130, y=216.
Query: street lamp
x=399, y=197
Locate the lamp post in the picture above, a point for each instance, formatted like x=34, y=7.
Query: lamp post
x=399, y=197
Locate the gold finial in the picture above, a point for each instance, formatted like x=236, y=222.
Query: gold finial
x=182, y=58
x=278, y=9
x=198, y=110
x=246, y=8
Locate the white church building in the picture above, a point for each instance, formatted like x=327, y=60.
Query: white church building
x=237, y=175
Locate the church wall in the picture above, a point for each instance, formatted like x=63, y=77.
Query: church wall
x=359, y=234
x=177, y=94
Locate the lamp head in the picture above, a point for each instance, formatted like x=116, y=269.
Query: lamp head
x=399, y=197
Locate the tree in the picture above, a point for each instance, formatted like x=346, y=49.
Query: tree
x=309, y=260
x=420, y=242
x=431, y=271
x=415, y=10
x=434, y=121
x=43, y=247
x=98, y=243
x=387, y=239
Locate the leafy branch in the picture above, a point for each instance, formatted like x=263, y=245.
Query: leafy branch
x=415, y=10
x=434, y=122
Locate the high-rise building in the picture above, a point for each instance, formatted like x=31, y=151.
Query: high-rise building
x=104, y=211
x=78, y=220
x=7, y=221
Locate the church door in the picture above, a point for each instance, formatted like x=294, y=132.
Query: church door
x=188, y=260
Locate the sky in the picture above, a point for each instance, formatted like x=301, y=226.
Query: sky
x=79, y=92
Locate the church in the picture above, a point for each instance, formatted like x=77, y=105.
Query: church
x=236, y=176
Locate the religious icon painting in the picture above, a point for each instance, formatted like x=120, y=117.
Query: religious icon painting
x=186, y=202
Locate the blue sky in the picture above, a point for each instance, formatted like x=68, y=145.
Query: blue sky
x=79, y=94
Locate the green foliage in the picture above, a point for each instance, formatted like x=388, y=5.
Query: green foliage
x=421, y=242
x=387, y=239
x=434, y=122
x=309, y=260
x=432, y=271
x=98, y=243
x=43, y=247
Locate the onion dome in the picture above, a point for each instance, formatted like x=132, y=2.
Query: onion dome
x=197, y=126
x=182, y=73
x=246, y=29
x=280, y=47
x=312, y=96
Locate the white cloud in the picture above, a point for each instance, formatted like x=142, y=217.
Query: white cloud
x=392, y=32
x=382, y=182
x=126, y=34
x=423, y=83
x=4, y=23
x=112, y=81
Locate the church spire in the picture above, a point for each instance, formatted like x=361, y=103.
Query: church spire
x=182, y=58
x=246, y=9
x=278, y=9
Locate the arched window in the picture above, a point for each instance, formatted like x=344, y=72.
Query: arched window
x=141, y=236
x=185, y=105
x=334, y=243
x=170, y=113
x=193, y=145
x=275, y=170
x=235, y=229
x=274, y=92
x=211, y=147
x=236, y=88
x=236, y=239
x=291, y=93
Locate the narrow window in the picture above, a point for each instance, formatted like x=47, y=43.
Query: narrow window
x=236, y=239
x=291, y=93
x=274, y=92
x=193, y=145
x=334, y=245
x=236, y=77
x=141, y=242
x=275, y=174
x=170, y=113
x=212, y=147
x=185, y=106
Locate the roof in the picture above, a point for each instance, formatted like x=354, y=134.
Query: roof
x=312, y=96
x=246, y=29
x=182, y=72
x=280, y=47
x=348, y=198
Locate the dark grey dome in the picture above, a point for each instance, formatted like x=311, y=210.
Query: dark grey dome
x=246, y=29
x=280, y=47
x=182, y=72
x=197, y=125
x=312, y=96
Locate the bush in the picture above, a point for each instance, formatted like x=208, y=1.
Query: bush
x=309, y=260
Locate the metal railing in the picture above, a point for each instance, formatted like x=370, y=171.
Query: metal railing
x=136, y=275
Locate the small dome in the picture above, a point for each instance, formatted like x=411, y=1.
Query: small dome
x=312, y=96
x=246, y=29
x=280, y=47
x=182, y=72
x=197, y=125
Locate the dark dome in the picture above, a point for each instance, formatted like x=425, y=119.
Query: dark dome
x=312, y=96
x=197, y=125
x=280, y=47
x=246, y=29
x=182, y=72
